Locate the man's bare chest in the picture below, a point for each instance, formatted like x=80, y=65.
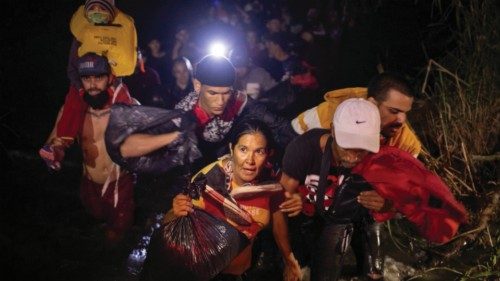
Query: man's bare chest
x=94, y=126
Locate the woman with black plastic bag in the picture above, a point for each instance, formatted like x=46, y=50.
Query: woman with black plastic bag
x=210, y=238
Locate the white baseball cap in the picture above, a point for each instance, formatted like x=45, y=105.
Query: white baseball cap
x=356, y=125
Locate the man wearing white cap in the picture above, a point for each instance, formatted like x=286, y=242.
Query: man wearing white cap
x=318, y=165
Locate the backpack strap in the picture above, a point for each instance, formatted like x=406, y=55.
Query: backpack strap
x=325, y=168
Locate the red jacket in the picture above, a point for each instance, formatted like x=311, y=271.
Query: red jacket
x=399, y=177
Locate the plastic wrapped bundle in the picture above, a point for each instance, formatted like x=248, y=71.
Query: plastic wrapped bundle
x=195, y=247
x=126, y=120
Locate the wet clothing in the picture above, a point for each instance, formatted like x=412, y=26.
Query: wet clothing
x=417, y=193
x=126, y=120
x=213, y=132
x=321, y=116
x=259, y=204
x=70, y=124
x=113, y=203
x=303, y=161
x=330, y=203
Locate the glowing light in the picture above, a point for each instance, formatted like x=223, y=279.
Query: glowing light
x=217, y=49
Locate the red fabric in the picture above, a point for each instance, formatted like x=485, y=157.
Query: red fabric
x=398, y=176
x=71, y=121
x=266, y=201
x=309, y=206
x=118, y=219
x=232, y=110
x=305, y=80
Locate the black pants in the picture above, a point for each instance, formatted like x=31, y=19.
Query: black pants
x=330, y=243
x=366, y=244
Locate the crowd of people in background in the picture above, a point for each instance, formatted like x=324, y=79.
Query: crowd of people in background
x=287, y=55
x=258, y=112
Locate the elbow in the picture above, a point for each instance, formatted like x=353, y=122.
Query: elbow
x=126, y=150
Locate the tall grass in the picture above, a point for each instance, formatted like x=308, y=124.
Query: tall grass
x=459, y=125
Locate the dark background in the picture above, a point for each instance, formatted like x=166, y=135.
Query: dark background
x=36, y=41
x=44, y=231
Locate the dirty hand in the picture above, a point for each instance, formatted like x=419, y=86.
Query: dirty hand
x=52, y=155
x=182, y=205
x=292, y=204
x=373, y=201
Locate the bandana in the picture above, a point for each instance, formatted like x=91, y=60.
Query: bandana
x=216, y=128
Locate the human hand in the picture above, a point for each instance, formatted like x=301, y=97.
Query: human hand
x=189, y=122
x=292, y=204
x=373, y=201
x=52, y=155
x=182, y=205
x=292, y=271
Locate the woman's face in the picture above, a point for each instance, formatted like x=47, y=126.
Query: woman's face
x=249, y=156
x=154, y=45
x=181, y=73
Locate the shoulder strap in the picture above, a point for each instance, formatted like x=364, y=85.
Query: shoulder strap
x=325, y=168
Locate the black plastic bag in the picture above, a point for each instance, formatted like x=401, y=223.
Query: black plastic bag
x=195, y=247
x=126, y=120
x=345, y=207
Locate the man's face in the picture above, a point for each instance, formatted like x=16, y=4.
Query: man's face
x=393, y=112
x=347, y=157
x=213, y=100
x=95, y=84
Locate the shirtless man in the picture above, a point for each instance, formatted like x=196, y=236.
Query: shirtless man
x=106, y=191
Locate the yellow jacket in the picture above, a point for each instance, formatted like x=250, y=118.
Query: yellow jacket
x=321, y=116
x=117, y=41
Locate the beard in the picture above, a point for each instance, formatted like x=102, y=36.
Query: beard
x=97, y=101
x=390, y=129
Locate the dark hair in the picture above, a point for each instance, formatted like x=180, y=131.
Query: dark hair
x=281, y=39
x=184, y=61
x=379, y=86
x=251, y=126
x=239, y=56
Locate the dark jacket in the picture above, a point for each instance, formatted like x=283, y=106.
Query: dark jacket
x=282, y=131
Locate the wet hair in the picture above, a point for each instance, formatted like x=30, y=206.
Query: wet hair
x=186, y=62
x=379, y=86
x=251, y=126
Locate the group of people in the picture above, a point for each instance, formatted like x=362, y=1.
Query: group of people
x=285, y=54
x=321, y=181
